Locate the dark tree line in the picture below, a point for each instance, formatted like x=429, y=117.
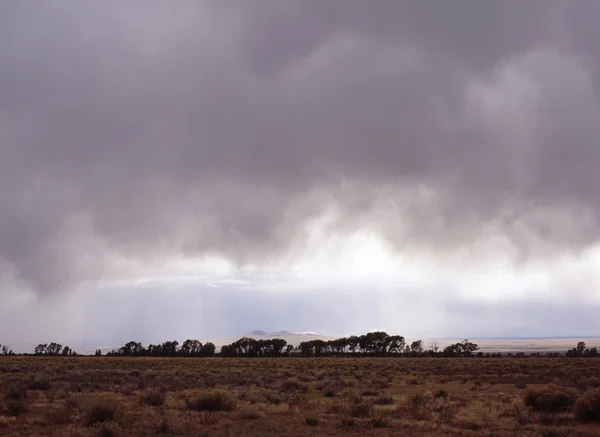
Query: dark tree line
x=375, y=344
x=250, y=347
x=462, y=349
x=371, y=344
x=582, y=351
x=189, y=348
x=53, y=350
x=5, y=350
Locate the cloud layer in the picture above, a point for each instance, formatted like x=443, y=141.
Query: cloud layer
x=134, y=133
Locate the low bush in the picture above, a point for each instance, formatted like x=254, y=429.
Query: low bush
x=39, y=384
x=441, y=394
x=587, y=407
x=100, y=409
x=294, y=384
x=417, y=406
x=273, y=399
x=210, y=401
x=15, y=408
x=384, y=400
x=15, y=392
x=379, y=422
x=549, y=399
x=417, y=400
x=311, y=420
x=361, y=410
x=347, y=423
x=106, y=429
x=155, y=396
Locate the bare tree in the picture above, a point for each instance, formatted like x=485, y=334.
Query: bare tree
x=434, y=346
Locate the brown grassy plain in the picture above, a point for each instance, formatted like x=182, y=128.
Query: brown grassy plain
x=85, y=396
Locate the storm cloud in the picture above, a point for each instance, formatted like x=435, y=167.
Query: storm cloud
x=140, y=131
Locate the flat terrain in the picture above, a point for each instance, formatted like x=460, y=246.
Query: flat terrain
x=85, y=396
x=529, y=345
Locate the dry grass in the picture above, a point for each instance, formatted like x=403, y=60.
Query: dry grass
x=89, y=396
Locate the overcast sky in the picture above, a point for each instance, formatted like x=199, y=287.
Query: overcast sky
x=206, y=168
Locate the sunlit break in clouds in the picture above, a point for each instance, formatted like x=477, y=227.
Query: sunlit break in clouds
x=205, y=168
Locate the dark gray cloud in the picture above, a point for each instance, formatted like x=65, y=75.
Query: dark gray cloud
x=152, y=129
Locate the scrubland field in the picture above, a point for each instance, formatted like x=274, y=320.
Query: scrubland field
x=85, y=396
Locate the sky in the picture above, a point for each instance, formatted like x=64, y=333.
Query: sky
x=199, y=169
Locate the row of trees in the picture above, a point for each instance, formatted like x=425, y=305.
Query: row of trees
x=371, y=344
x=5, y=350
x=462, y=349
x=380, y=344
x=53, y=350
x=189, y=348
x=377, y=344
x=250, y=347
x=582, y=351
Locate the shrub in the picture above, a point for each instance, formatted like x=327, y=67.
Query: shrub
x=417, y=400
x=379, y=422
x=273, y=399
x=61, y=415
x=468, y=421
x=15, y=392
x=106, y=429
x=100, y=409
x=15, y=408
x=384, y=400
x=329, y=393
x=587, y=407
x=293, y=384
x=210, y=401
x=347, y=423
x=441, y=394
x=549, y=399
x=593, y=382
x=311, y=420
x=39, y=384
x=142, y=382
x=417, y=407
x=554, y=433
x=154, y=396
x=361, y=410
x=305, y=378
x=519, y=411
x=159, y=424
x=446, y=413
x=251, y=414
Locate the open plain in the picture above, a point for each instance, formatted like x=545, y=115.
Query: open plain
x=114, y=396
